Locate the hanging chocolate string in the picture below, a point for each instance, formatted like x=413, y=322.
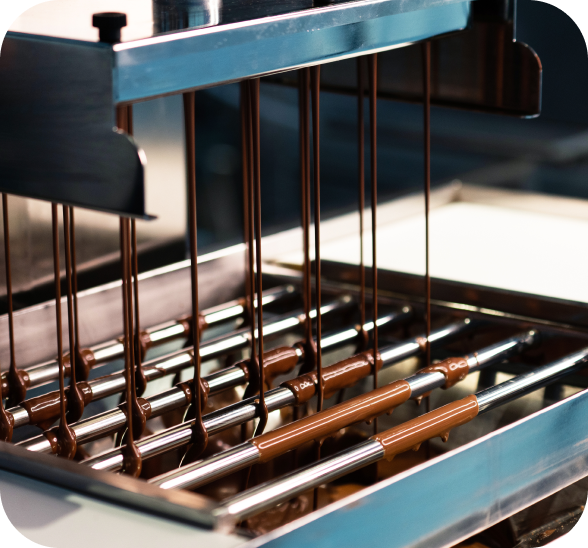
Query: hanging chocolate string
x=427, y=135
x=199, y=434
x=373, y=76
x=427, y=153
x=254, y=385
x=17, y=388
x=361, y=177
x=315, y=77
x=6, y=419
x=75, y=398
x=140, y=378
x=65, y=437
x=244, y=107
x=83, y=368
x=254, y=97
x=315, y=83
x=310, y=351
x=131, y=456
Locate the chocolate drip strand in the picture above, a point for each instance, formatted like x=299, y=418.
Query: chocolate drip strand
x=361, y=177
x=427, y=135
x=6, y=419
x=17, y=386
x=244, y=107
x=65, y=437
x=131, y=455
x=199, y=434
x=310, y=352
x=254, y=385
x=139, y=349
x=75, y=398
x=315, y=88
x=254, y=97
x=373, y=76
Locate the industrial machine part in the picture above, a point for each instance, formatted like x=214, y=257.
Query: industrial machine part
x=246, y=392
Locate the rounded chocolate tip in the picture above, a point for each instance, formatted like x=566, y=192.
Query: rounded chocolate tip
x=109, y=25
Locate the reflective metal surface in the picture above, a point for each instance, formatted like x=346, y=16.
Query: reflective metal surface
x=268, y=37
x=503, y=350
x=522, y=384
x=43, y=82
x=163, y=299
x=203, y=471
x=481, y=484
x=269, y=494
x=464, y=75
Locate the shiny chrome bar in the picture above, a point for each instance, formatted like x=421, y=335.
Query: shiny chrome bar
x=113, y=350
x=425, y=382
x=93, y=427
x=201, y=472
x=222, y=380
x=498, y=395
x=238, y=413
x=267, y=495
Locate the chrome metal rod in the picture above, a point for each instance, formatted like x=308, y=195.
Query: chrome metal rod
x=267, y=495
x=111, y=421
x=177, y=361
x=113, y=350
x=241, y=412
x=203, y=471
x=498, y=395
x=425, y=382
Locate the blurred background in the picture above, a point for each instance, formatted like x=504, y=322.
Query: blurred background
x=548, y=154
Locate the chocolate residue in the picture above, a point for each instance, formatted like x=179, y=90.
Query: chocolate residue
x=454, y=370
x=335, y=377
x=321, y=425
x=43, y=410
x=439, y=422
x=276, y=362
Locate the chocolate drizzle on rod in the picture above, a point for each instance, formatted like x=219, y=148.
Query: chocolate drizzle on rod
x=373, y=78
x=199, y=434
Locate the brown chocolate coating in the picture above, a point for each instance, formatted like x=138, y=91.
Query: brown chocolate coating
x=6, y=424
x=335, y=377
x=439, y=422
x=326, y=423
x=454, y=370
x=84, y=361
x=204, y=392
x=276, y=362
x=62, y=440
x=17, y=384
x=43, y=410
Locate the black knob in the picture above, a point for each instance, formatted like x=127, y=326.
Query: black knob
x=109, y=25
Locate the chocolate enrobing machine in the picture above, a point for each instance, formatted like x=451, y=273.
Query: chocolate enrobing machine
x=252, y=393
